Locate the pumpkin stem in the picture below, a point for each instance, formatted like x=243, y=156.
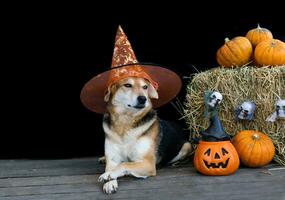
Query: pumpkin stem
x=258, y=26
x=255, y=136
x=227, y=40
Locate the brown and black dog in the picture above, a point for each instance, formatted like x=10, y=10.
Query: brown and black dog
x=136, y=141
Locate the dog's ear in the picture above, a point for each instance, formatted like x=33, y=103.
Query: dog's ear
x=152, y=93
x=107, y=94
x=110, y=91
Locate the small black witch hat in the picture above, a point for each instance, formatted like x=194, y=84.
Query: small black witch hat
x=215, y=132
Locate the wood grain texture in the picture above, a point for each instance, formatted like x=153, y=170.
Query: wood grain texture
x=77, y=179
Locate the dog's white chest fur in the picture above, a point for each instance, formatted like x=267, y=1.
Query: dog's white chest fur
x=127, y=149
x=130, y=147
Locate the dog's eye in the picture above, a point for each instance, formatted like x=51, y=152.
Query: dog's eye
x=128, y=85
x=144, y=87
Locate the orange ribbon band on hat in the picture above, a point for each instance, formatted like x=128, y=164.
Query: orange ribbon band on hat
x=129, y=71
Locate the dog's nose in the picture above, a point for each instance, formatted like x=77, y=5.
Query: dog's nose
x=141, y=99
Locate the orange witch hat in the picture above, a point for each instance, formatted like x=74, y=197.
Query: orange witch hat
x=124, y=65
x=124, y=55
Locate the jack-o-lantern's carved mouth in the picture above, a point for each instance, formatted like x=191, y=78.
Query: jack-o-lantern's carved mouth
x=217, y=165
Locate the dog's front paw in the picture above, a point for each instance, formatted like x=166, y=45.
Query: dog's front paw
x=107, y=176
x=104, y=177
x=110, y=187
x=110, y=175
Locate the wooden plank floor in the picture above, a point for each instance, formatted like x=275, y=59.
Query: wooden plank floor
x=76, y=179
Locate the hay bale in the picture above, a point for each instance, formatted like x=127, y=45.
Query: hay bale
x=262, y=85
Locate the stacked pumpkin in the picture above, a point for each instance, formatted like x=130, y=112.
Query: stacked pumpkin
x=258, y=46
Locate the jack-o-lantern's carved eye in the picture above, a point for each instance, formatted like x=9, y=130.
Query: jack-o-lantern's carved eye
x=208, y=152
x=224, y=152
x=217, y=156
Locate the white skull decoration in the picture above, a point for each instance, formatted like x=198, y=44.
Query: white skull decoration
x=215, y=99
x=246, y=110
x=279, y=111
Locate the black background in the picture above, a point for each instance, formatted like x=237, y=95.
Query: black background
x=50, y=59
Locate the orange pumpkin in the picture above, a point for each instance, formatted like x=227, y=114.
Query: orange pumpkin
x=216, y=158
x=255, y=149
x=258, y=35
x=270, y=52
x=235, y=52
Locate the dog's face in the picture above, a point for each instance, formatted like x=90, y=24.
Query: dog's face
x=131, y=94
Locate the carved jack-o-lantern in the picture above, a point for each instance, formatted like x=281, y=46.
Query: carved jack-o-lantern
x=216, y=158
x=215, y=154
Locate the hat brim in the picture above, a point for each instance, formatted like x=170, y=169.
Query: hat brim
x=92, y=94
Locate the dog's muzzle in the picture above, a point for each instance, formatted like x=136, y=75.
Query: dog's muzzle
x=141, y=102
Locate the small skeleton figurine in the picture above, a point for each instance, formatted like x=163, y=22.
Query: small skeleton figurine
x=215, y=132
x=212, y=101
x=279, y=112
x=245, y=111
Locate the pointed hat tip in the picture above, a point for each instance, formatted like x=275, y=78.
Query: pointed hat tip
x=123, y=53
x=120, y=33
x=120, y=29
